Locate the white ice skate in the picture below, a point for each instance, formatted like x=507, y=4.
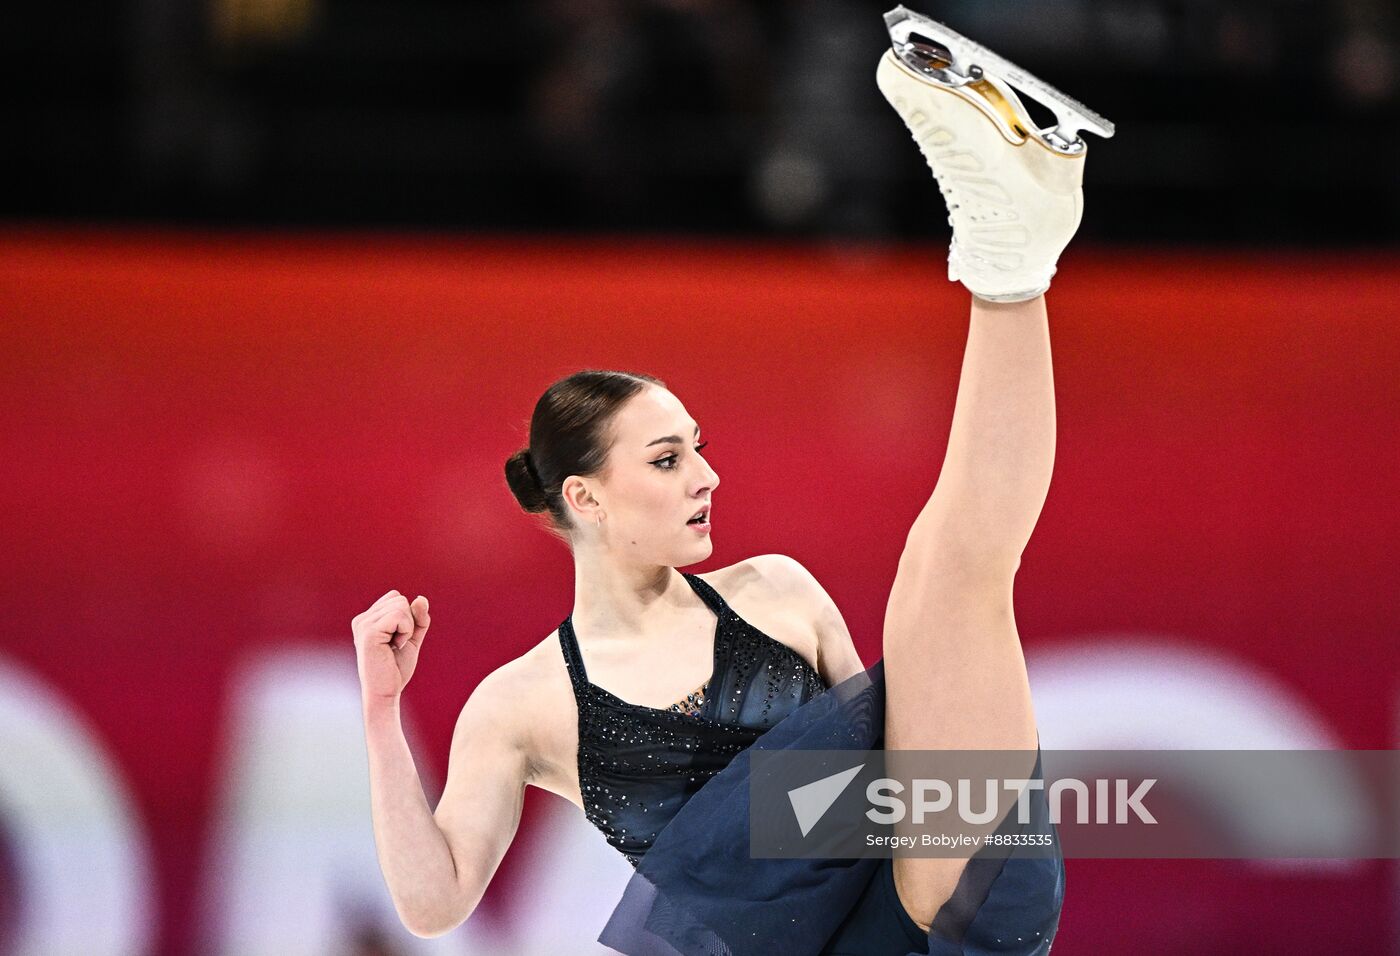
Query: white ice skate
x=1012, y=187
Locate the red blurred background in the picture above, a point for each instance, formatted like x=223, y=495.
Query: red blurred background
x=217, y=450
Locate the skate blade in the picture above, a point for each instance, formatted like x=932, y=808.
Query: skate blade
x=947, y=57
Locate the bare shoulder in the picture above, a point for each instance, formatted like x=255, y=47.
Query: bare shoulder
x=514, y=700
x=776, y=577
x=540, y=670
x=777, y=595
x=780, y=596
x=492, y=704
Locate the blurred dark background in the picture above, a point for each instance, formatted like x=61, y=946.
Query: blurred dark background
x=1250, y=121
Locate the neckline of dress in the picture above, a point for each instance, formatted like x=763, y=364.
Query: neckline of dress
x=720, y=611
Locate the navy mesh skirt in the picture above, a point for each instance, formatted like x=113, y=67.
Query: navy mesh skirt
x=698, y=892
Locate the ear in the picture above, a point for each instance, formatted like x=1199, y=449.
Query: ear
x=578, y=496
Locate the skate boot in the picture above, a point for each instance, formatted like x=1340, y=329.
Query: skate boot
x=1012, y=187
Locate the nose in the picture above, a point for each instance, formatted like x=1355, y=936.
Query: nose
x=708, y=476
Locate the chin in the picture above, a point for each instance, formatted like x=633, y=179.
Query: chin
x=698, y=551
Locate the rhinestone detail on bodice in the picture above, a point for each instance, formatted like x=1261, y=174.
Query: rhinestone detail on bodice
x=639, y=765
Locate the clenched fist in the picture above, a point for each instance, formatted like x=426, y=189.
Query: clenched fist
x=388, y=636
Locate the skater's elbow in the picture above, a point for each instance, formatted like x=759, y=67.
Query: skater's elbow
x=430, y=924
x=425, y=930
x=431, y=931
x=436, y=900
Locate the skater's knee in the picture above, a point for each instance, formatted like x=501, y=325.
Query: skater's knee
x=937, y=550
x=951, y=546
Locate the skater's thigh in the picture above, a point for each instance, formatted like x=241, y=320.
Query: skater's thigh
x=955, y=677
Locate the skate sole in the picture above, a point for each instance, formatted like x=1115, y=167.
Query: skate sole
x=941, y=56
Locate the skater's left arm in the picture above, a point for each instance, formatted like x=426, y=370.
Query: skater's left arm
x=836, y=652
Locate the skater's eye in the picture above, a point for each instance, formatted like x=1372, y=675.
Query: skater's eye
x=669, y=462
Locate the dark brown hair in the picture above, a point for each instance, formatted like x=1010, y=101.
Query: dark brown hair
x=569, y=435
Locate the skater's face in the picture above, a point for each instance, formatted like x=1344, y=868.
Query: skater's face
x=655, y=480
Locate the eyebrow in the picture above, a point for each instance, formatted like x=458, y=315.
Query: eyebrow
x=671, y=438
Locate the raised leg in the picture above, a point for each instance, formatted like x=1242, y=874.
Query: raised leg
x=955, y=678
x=954, y=672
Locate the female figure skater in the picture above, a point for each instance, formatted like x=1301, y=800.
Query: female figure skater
x=675, y=676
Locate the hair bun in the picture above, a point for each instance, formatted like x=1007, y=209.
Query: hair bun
x=524, y=481
x=530, y=467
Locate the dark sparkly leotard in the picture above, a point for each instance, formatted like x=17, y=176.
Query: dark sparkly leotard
x=637, y=766
x=671, y=791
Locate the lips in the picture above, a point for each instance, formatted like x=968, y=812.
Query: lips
x=700, y=517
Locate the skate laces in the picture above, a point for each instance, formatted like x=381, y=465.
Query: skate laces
x=1012, y=202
